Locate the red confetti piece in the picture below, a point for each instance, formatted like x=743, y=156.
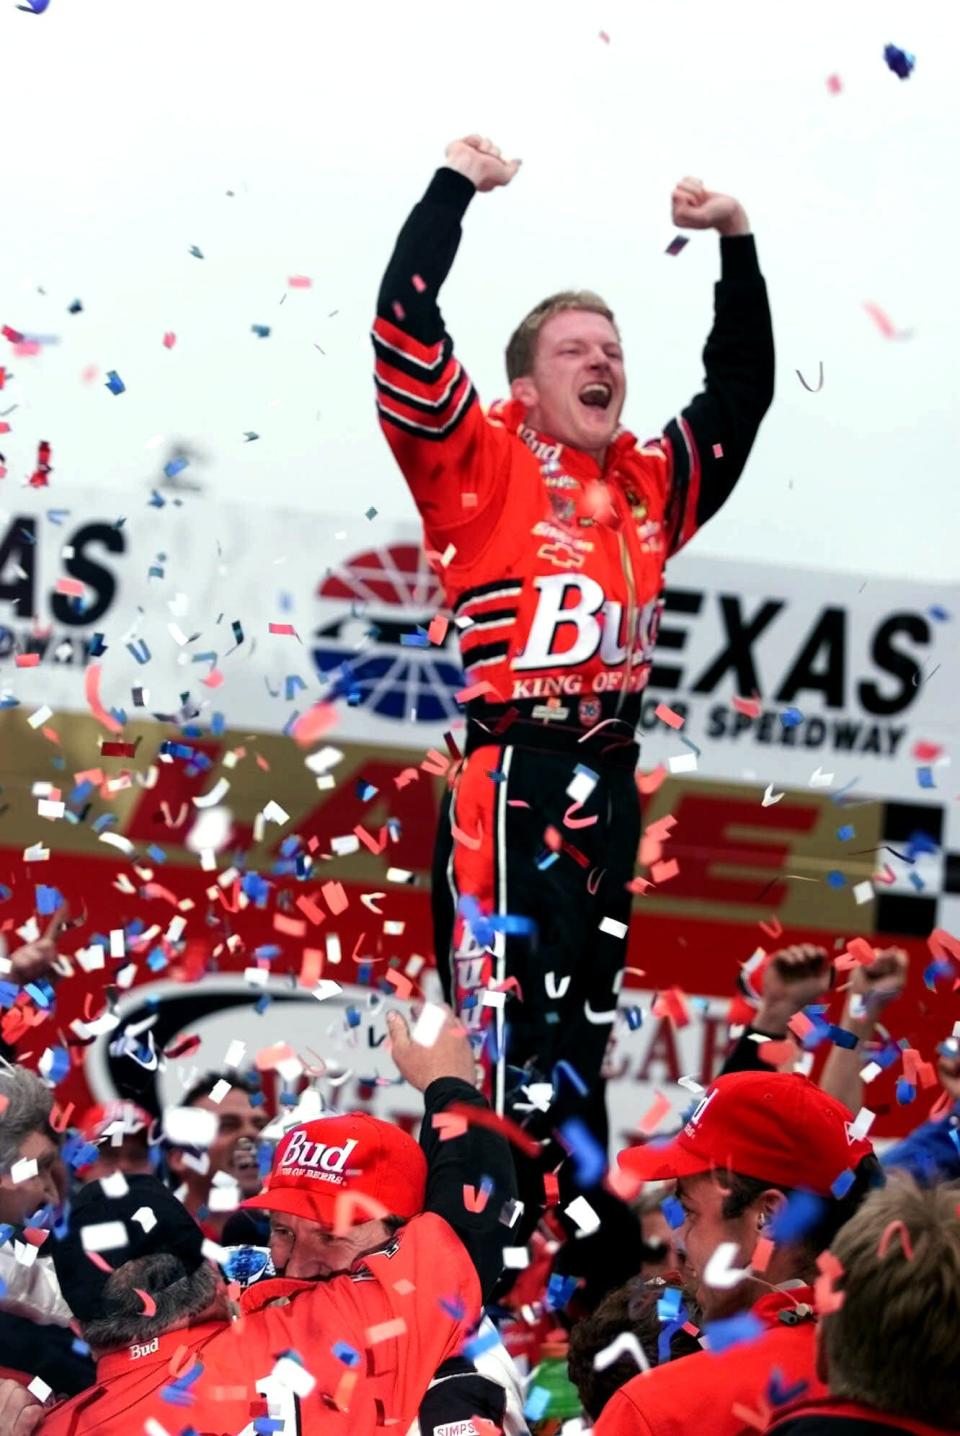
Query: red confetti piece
x=437, y=631
x=347, y=1207
x=475, y=1198
x=398, y=311
x=776, y=1053
x=13, y=335
x=149, y=1305
x=375, y=845
x=800, y=1025
x=169, y=339
x=572, y=822
x=605, y=37
x=762, y=1253
x=474, y=690
x=718, y=451
x=749, y=707
x=481, y=1117
x=29, y=660
x=648, y=783
x=300, y=281
x=286, y=629
x=91, y=691
x=668, y=716
x=311, y=909
x=882, y=320
x=213, y=679
x=289, y=926
x=4, y=427
x=773, y=928
x=448, y=1125
x=417, y=283
x=36, y=1236
x=639, y=885
x=467, y=839
x=111, y=749
x=317, y=721
x=335, y=898
x=157, y=890
x=926, y=752
x=892, y=1229
x=663, y=872
x=834, y=84
x=825, y=1294
x=183, y=1046
x=654, y=1115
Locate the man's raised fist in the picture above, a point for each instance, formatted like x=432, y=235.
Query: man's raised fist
x=481, y=162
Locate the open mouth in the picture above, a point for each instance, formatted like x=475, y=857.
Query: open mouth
x=596, y=396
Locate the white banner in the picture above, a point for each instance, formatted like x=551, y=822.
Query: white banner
x=193, y=606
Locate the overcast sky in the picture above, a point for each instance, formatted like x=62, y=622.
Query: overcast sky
x=128, y=121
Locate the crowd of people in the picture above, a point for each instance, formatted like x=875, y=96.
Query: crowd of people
x=334, y=1274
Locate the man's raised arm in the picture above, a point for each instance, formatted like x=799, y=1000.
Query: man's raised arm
x=427, y=406
x=710, y=441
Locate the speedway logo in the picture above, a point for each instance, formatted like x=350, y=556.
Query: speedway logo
x=369, y=644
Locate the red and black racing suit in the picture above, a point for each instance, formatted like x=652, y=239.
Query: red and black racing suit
x=553, y=569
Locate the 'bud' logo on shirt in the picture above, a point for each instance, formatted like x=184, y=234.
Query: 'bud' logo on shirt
x=325, y=1161
x=144, y=1348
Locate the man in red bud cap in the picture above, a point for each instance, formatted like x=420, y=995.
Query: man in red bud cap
x=768, y=1169
x=383, y=1264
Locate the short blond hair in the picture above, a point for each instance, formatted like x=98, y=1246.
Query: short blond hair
x=522, y=347
x=893, y=1343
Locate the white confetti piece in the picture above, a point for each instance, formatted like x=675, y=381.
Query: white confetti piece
x=256, y=976
x=394, y=928
x=42, y=715
x=213, y=1251
x=626, y=1344
x=682, y=763
x=118, y=841
x=582, y=1214
x=516, y=1258
x=23, y=1170
x=189, y=1126
x=323, y=759
x=145, y=1217
x=219, y=790
x=91, y=959
x=861, y=1124
x=114, y=1185
x=399, y=875
x=344, y=846
x=51, y=808
x=493, y=999
x=30, y=931
x=39, y=1388
x=863, y=892
x=38, y=853
x=690, y=1084
x=235, y=1053
x=294, y=1376
x=582, y=784
x=104, y=1237
x=219, y=1090
x=325, y=988
x=428, y=1025
x=720, y=1271
x=175, y=928
x=25, y=1253
x=275, y=814
x=152, y=1427
x=225, y=1194
x=118, y=942
x=820, y=779
x=612, y=927
x=333, y=951
x=448, y=554
x=870, y=1072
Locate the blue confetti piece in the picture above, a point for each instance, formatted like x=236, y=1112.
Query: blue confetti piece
x=47, y=900
x=417, y=639
x=778, y=1393
x=80, y=1347
x=843, y=1183
x=925, y=777
x=672, y=1209
x=6, y=1232
x=218, y=724
x=916, y=882
x=800, y=1214
x=354, y=1016
x=262, y=331
x=477, y=1345
x=293, y=684
x=59, y=1065
x=634, y=1016
x=346, y=1353
x=140, y=650
x=261, y=1004
x=846, y=833
x=669, y=1304
x=901, y=62
x=268, y=952
x=513, y=924
x=157, y=960
x=267, y=1425
x=547, y=860
x=538, y=1399
x=590, y=1159
x=115, y=384
x=41, y=992
x=364, y=790
x=840, y=1037
x=453, y=1306
x=156, y=854
x=906, y=1092
x=920, y=843
x=564, y=1069
x=175, y=467
x=790, y=717
x=835, y=879
x=940, y=614
x=733, y=1331
x=559, y=1290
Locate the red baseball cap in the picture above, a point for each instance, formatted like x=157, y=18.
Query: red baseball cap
x=776, y=1126
x=317, y=1162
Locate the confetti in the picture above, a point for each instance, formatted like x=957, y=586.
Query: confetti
x=169, y=339
x=668, y=716
x=883, y=322
x=809, y=387
x=677, y=244
x=834, y=84
x=114, y=383
x=901, y=62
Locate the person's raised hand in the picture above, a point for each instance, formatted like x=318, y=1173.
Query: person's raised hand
x=35, y=959
x=794, y=977
x=882, y=981
x=421, y=1062
x=695, y=207
x=20, y=1411
x=481, y=161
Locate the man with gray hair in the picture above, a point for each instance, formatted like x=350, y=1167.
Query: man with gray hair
x=32, y=1184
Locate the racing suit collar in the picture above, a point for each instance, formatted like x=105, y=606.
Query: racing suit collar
x=511, y=413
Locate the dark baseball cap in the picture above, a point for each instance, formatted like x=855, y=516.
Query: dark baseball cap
x=147, y=1219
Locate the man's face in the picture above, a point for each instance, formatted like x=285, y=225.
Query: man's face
x=305, y=1250
x=703, y=1230
x=233, y=1149
x=576, y=391
x=20, y=1200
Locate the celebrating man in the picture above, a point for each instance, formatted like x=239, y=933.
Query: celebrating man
x=551, y=526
